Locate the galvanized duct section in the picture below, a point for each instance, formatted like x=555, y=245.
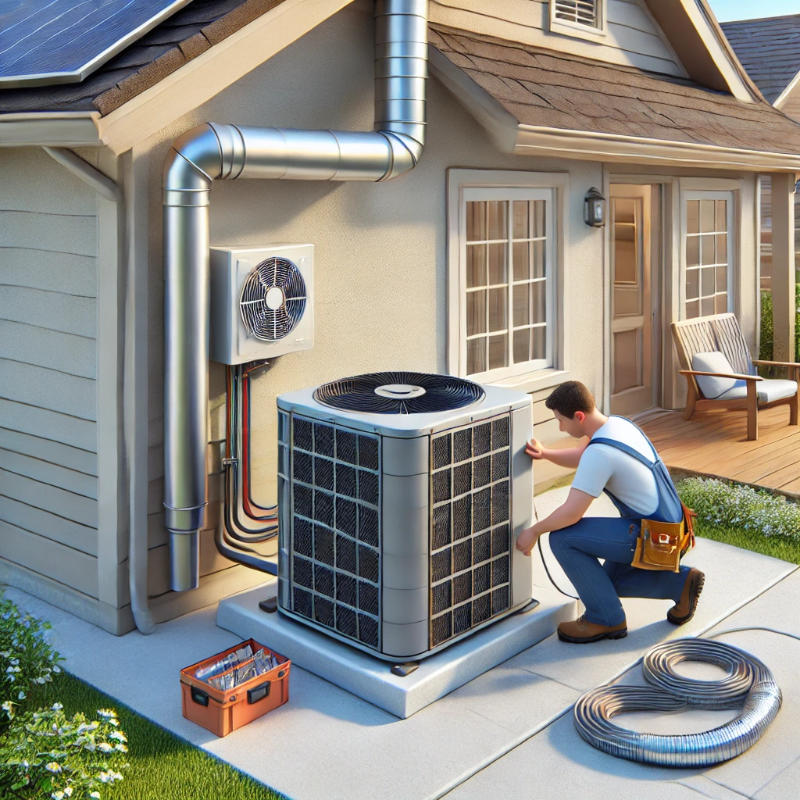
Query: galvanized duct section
x=749, y=683
x=227, y=152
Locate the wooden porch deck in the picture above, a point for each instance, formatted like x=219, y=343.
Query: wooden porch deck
x=714, y=443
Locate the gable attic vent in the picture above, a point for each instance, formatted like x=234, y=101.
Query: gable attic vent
x=583, y=12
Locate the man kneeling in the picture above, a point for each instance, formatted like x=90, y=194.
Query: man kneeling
x=620, y=460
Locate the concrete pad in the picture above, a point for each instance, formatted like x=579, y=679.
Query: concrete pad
x=369, y=677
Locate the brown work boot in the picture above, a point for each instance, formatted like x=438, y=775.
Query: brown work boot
x=581, y=631
x=684, y=609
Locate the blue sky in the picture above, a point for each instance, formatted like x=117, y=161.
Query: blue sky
x=726, y=10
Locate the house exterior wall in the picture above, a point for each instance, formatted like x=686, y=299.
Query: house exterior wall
x=48, y=375
x=632, y=37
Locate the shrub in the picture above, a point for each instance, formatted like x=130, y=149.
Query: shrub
x=27, y=657
x=44, y=753
x=743, y=507
x=767, y=327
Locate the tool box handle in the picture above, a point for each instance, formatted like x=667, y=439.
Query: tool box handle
x=199, y=696
x=258, y=693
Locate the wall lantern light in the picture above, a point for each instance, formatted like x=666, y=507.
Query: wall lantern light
x=594, y=208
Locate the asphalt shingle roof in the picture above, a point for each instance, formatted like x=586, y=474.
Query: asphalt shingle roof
x=547, y=88
x=769, y=50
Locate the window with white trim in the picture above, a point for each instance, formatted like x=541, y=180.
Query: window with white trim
x=707, y=286
x=578, y=17
x=503, y=283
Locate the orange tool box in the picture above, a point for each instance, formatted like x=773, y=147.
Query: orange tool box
x=222, y=710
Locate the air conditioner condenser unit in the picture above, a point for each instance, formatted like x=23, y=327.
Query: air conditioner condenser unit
x=400, y=498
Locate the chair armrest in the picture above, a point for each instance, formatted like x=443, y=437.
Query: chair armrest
x=761, y=363
x=734, y=375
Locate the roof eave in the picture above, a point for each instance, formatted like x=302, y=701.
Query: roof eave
x=594, y=146
x=50, y=128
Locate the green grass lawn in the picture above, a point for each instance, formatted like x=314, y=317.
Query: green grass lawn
x=162, y=766
x=775, y=546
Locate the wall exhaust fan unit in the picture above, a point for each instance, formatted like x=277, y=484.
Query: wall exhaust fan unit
x=400, y=497
x=261, y=302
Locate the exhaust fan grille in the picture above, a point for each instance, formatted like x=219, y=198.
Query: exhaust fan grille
x=336, y=529
x=273, y=299
x=399, y=393
x=470, y=545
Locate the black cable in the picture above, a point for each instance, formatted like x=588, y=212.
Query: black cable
x=544, y=563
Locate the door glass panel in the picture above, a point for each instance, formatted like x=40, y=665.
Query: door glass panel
x=476, y=265
x=522, y=344
x=476, y=313
x=476, y=355
x=522, y=260
x=476, y=221
x=498, y=346
x=496, y=212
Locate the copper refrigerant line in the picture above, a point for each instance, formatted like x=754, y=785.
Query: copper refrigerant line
x=234, y=535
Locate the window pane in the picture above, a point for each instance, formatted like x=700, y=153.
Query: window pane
x=498, y=314
x=498, y=228
x=476, y=221
x=522, y=226
x=476, y=313
x=692, y=284
x=721, y=215
x=692, y=251
x=522, y=260
x=692, y=309
x=476, y=265
x=476, y=356
x=706, y=306
x=706, y=215
x=497, y=263
x=498, y=346
x=707, y=281
x=522, y=314
x=692, y=216
x=720, y=304
x=539, y=293
x=539, y=218
x=539, y=343
x=722, y=279
x=707, y=249
x=722, y=248
x=522, y=343
x=538, y=259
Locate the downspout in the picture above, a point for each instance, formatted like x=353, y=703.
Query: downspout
x=137, y=544
x=226, y=152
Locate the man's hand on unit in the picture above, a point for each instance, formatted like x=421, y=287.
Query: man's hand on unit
x=527, y=540
x=535, y=449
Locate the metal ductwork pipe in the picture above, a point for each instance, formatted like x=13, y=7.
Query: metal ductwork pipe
x=226, y=152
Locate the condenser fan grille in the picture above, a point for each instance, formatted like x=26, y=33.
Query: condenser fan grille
x=399, y=393
x=273, y=299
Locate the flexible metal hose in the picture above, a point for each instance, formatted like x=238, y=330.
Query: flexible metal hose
x=748, y=681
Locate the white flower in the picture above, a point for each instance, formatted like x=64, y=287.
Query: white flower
x=7, y=706
x=118, y=736
x=56, y=707
x=68, y=791
x=121, y=747
x=104, y=747
x=94, y=795
x=53, y=766
x=104, y=777
x=59, y=795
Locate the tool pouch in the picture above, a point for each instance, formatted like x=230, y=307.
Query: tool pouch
x=661, y=545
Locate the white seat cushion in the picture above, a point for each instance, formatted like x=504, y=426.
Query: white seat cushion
x=715, y=387
x=767, y=390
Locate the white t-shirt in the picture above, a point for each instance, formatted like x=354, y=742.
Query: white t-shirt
x=604, y=467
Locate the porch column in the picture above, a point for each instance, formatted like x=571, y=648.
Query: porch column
x=783, y=269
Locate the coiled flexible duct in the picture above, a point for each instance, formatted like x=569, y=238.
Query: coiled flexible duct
x=748, y=681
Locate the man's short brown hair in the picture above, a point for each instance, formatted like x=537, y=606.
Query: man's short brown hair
x=570, y=397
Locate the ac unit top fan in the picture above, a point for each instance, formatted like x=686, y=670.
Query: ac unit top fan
x=399, y=393
x=273, y=299
x=261, y=301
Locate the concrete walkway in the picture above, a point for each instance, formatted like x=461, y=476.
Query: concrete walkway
x=507, y=733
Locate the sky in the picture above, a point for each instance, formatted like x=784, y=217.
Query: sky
x=726, y=10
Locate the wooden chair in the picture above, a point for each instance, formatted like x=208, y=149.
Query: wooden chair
x=721, y=333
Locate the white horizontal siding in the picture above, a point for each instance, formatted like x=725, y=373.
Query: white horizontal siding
x=632, y=38
x=48, y=371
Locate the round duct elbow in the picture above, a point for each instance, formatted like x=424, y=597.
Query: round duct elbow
x=405, y=153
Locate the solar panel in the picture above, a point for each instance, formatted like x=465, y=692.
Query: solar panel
x=63, y=41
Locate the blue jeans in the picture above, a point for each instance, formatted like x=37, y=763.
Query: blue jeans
x=600, y=586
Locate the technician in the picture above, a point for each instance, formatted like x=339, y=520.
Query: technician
x=620, y=460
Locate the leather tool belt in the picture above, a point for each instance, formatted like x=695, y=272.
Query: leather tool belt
x=660, y=545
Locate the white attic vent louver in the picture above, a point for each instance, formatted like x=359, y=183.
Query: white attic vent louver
x=261, y=302
x=582, y=12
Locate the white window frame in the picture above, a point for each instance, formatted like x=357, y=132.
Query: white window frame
x=465, y=185
x=696, y=189
x=580, y=30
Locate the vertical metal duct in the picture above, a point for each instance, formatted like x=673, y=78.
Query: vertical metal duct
x=226, y=152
